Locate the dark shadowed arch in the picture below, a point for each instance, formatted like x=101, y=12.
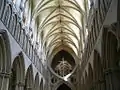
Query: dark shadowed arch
x=2, y=6
x=90, y=77
x=111, y=50
x=7, y=14
x=98, y=71
x=85, y=81
x=36, y=85
x=5, y=60
x=18, y=73
x=29, y=81
x=111, y=60
x=41, y=85
x=63, y=87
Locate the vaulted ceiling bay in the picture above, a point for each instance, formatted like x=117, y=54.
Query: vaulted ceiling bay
x=62, y=23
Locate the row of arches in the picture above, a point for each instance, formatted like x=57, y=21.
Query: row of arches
x=94, y=78
x=20, y=80
x=13, y=24
x=104, y=72
x=111, y=60
x=13, y=76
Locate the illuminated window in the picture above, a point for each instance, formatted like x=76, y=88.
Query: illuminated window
x=63, y=68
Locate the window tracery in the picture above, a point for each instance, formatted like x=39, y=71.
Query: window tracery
x=63, y=68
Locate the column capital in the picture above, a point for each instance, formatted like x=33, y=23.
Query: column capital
x=5, y=74
x=112, y=70
x=20, y=84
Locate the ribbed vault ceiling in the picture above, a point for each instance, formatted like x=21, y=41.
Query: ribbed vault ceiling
x=61, y=22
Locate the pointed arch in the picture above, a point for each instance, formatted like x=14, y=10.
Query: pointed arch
x=36, y=84
x=63, y=87
x=98, y=71
x=5, y=60
x=58, y=49
x=7, y=14
x=96, y=65
x=18, y=73
x=109, y=49
x=90, y=71
x=13, y=24
x=41, y=85
x=2, y=6
x=111, y=59
x=85, y=80
x=5, y=52
x=29, y=80
x=58, y=84
x=90, y=77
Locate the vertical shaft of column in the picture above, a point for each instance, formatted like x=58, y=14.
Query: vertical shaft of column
x=112, y=79
x=20, y=86
x=4, y=81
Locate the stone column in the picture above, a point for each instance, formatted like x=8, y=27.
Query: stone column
x=99, y=85
x=29, y=88
x=112, y=79
x=19, y=86
x=4, y=80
